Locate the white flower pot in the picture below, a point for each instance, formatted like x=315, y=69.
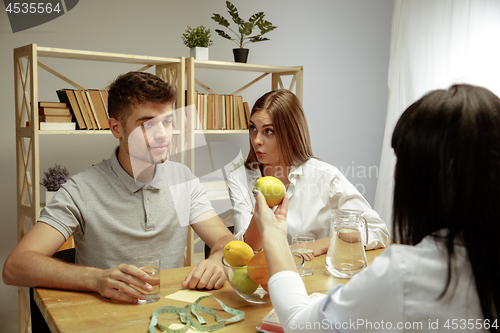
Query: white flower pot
x=49, y=195
x=200, y=53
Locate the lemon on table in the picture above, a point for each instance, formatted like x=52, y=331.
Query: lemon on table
x=242, y=282
x=272, y=188
x=237, y=253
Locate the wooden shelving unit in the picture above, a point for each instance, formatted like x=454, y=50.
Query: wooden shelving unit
x=276, y=72
x=180, y=72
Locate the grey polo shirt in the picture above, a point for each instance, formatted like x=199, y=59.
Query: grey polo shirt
x=114, y=219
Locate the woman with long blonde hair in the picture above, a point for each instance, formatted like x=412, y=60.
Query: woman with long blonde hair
x=280, y=146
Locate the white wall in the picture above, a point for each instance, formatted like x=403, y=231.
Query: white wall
x=343, y=46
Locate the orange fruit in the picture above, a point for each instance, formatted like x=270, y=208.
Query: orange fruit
x=264, y=286
x=237, y=253
x=257, y=268
x=272, y=188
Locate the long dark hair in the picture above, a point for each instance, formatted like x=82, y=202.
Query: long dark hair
x=290, y=125
x=448, y=177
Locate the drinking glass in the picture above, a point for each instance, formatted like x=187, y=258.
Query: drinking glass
x=305, y=247
x=150, y=265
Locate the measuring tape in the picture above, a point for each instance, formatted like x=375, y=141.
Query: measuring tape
x=185, y=317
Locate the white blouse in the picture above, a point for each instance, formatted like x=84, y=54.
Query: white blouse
x=316, y=188
x=398, y=292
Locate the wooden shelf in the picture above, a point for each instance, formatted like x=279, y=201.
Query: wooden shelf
x=50, y=52
x=79, y=132
x=85, y=132
x=221, y=131
x=236, y=66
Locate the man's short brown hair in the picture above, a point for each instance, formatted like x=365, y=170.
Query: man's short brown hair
x=136, y=88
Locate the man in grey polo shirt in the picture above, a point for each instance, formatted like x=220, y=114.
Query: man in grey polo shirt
x=134, y=203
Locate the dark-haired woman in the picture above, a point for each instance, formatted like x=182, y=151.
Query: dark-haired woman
x=443, y=276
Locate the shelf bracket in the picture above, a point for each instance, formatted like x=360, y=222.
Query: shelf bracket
x=65, y=79
x=251, y=83
x=204, y=86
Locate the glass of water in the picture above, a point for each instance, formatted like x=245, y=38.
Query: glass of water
x=150, y=265
x=305, y=247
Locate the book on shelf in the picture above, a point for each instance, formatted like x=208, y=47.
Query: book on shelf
x=242, y=115
x=52, y=104
x=68, y=97
x=89, y=107
x=236, y=113
x=210, y=112
x=221, y=112
x=229, y=114
x=57, y=126
x=104, y=97
x=46, y=111
x=247, y=112
x=83, y=109
x=95, y=99
x=55, y=119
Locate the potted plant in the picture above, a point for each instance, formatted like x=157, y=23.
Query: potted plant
x=245, y=30
x=53, y=180
x=198, y=40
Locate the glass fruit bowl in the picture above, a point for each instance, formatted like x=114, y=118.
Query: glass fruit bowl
x=245, y=287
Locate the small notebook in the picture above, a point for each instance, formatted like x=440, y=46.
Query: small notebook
x=271, y=322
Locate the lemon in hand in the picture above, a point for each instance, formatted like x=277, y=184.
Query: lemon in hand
x=242, y=282
x=272, y=188
x=237, y=253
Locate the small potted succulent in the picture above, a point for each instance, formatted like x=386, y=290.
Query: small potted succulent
x=245, y=29
x=54, y=178
x=198, y=40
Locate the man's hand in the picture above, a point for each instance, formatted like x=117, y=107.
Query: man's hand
x=118, y=283
x=208, y=274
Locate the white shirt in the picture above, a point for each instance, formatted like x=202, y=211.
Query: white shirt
x=398, y=292
x=316, y=188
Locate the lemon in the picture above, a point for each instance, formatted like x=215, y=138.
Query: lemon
x=237, y=253
x=272, y=188
x=242, y=282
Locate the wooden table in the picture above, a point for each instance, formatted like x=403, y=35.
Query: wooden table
x=70, y=311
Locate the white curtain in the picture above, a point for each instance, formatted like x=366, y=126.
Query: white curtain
x=434, y=44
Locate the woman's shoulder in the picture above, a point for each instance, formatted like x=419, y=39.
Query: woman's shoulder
x=318, y=165
x=243, y=177
x=243, y=172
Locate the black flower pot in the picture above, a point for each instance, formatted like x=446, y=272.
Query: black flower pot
x=240, y=55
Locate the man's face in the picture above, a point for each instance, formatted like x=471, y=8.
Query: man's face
x=148, y=133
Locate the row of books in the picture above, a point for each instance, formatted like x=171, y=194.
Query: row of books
x=88, y=107
x=55, y=116
x=222, y=112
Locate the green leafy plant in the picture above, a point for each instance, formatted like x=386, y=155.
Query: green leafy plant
x=245, y=29
x=197, y=37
